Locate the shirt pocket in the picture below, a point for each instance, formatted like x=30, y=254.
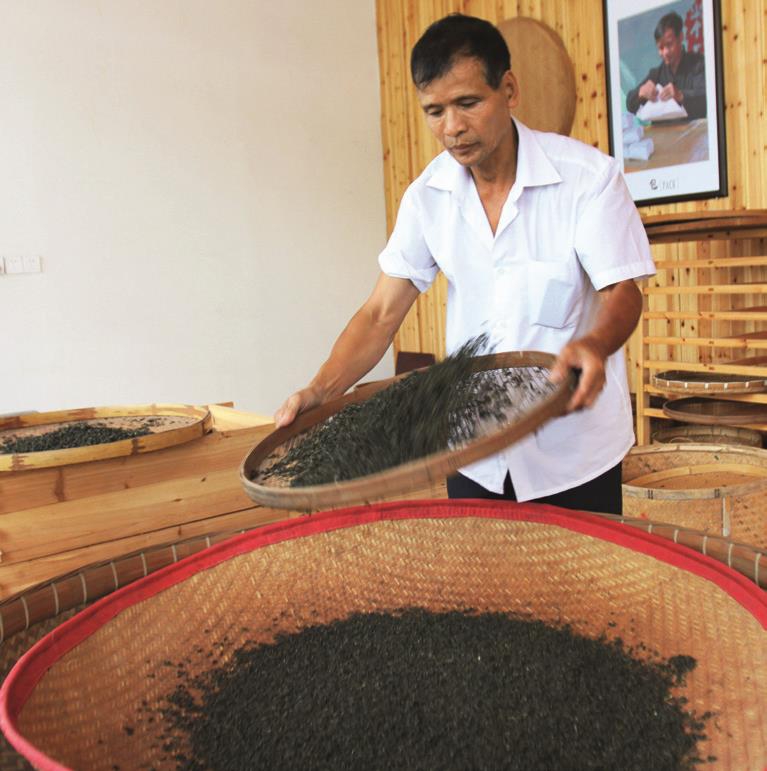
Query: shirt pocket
x=554, y=288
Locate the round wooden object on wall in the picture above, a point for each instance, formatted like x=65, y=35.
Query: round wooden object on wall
x=545, y=74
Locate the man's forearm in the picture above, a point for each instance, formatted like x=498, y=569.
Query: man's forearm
x=358, y=349
x=617, y=318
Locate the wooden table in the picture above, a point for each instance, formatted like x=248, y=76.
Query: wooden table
x=675, y=143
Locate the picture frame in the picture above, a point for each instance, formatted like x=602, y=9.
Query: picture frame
x=668, y=133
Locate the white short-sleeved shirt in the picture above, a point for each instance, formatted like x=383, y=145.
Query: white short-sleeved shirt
x=568, y=228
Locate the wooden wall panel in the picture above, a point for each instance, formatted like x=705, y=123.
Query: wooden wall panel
x=408, y=145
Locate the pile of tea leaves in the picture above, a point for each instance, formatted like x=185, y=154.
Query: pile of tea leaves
x=70, y=435
x=421, y=690
x=429, y=411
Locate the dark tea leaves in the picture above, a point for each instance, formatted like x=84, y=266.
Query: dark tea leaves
x=70, y=435
x=423, y=690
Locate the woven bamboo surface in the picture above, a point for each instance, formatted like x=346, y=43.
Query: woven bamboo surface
x=168, y=425
x=11, y=651
x=440, y=562
x=50, y=599
x=719, y=489
x=538, y=404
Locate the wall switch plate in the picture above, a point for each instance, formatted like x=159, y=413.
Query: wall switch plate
x=14, y=265
x=32, y=263
x=26, y=263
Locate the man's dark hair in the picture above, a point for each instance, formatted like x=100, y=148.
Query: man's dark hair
x=669, y=21
x=456, y=36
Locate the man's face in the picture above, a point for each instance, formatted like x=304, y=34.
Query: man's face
x=670, y=48
x=467, y=116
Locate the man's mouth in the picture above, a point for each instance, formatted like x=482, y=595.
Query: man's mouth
x=462, y=148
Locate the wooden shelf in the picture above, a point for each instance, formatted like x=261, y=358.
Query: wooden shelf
x=710, y=289
x=724, y=262
x=743, y=314
x=756, y=340
x=712, y=271
x=724, y=369
x=758, y=398
x=652, y=412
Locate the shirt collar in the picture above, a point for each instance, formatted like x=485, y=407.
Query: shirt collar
x=533, y=167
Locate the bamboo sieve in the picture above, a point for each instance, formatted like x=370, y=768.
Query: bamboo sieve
x=67, y=702
x=539, y=401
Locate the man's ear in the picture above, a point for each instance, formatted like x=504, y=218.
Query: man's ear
x=511, y=88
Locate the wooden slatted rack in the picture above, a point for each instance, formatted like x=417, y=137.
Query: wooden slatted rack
x=705, y=310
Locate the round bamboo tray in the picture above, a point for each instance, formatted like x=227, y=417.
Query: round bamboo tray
x=693, y=434
x=68, y=701
x=416, y=474
x=718, y=489
x=169, y=425
x=715, y=412
x=676, y=381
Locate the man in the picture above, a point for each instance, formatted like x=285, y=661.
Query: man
x=681, y=73
x=539, y=241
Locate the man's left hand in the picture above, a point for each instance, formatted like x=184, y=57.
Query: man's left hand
x=670, y=91
x=586, y=355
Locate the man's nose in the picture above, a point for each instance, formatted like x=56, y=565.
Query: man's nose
x=454, y=123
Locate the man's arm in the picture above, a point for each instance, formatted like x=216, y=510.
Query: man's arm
x=618, y=315
x=358, y=348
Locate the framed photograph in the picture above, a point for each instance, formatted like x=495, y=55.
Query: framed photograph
x=665, y=98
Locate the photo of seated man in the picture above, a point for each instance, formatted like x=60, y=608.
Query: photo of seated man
x=679, y=76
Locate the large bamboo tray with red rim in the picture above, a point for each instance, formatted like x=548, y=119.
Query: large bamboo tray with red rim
x=67, y=702
x=51, y=598
x=415, y=474
x=169, y=425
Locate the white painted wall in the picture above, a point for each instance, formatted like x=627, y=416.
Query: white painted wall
x=204, y=183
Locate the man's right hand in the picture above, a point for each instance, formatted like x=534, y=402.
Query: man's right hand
x=648, y=91
x=294, y=405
